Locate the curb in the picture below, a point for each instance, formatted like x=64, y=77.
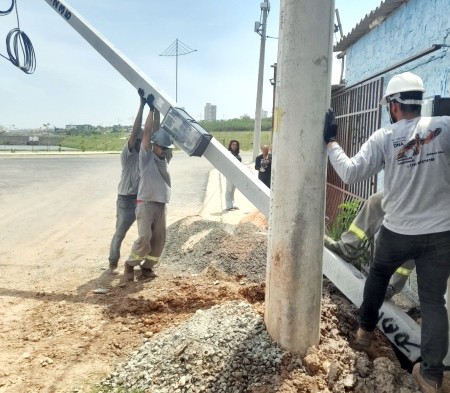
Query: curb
x=214, y=202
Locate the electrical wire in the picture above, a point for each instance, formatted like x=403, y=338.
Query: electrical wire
x=29, y=58
x=19, y=46
x=9, y=9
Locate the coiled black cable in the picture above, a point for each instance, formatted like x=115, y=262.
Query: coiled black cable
x=19, y=46
x=9, y=9
x=29, y=59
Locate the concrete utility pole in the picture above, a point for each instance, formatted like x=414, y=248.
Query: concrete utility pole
x=260, y=28
x=296, y=218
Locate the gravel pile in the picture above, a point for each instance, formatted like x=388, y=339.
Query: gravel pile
x=226, y=348
x=194, y=244
x=223, y=349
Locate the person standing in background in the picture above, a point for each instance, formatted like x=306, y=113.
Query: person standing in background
x=128, y=187
x=263, y=164
x=233, y=148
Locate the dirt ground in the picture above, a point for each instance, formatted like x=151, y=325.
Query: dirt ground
x=65, y=323
x=66, y=335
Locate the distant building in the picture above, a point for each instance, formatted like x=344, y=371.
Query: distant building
x=264, y=114
x=79, y=127
x=33, y=140
x=210, y=112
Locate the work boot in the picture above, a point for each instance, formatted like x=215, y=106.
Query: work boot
x=339, y=248
x=363, y=340
x=129, y=272
x=112, y=268
x=424, y=385
x=390, y=291
x=146, y=273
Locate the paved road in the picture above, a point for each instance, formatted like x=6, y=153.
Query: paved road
x=89, y=177
x=50, y=202
x=59, y=210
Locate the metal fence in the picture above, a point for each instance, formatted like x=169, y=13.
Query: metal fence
x=358, y=115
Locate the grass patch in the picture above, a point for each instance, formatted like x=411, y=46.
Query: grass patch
x=115, y=141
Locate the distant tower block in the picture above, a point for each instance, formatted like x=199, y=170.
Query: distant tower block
x=210, y=112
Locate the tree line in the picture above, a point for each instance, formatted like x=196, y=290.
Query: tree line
x=245, y=123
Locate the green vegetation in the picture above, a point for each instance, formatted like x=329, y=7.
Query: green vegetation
x=347, y=212
x=223, y=130
x=245, y=138
x=243, y=124
x=96, y=142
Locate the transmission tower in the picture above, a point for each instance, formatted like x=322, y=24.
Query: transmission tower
x=177, y=48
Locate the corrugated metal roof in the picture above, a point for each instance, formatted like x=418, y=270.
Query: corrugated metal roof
x=366, y=24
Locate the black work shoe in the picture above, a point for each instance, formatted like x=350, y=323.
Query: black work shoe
x=129, y=272
x=340, y=249
x=146, y=274
x=390, y=291
x=424, y=385
x=363, y=340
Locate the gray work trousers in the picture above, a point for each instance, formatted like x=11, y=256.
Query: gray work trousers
x=125, y=217
x=151, y=223
x=365, y=225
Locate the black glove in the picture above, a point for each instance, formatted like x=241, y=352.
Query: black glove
x=331, y=127
x=150, y=99
x=142, y=96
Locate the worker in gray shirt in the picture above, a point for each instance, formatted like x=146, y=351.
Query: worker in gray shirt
x=128, y=186
x=153, y=194
x=414, y=152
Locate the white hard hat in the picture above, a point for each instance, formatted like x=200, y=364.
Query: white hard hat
x=401, y=83
x=161, y=138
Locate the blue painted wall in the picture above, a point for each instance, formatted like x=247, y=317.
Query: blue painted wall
x=412, y=28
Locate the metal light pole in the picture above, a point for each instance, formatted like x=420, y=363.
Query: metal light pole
x=273, y=82
x=48, y=135
x=260, y=28
x=177, y=48
x=296, y=219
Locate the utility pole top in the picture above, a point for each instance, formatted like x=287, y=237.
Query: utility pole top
x=260, y=28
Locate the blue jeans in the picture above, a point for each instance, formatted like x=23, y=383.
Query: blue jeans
x=125, y=217
x=432, y=255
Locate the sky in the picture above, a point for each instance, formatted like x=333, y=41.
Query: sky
x=73, y=84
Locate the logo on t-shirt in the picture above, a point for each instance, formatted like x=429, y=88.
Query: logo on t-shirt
x=412, y=148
